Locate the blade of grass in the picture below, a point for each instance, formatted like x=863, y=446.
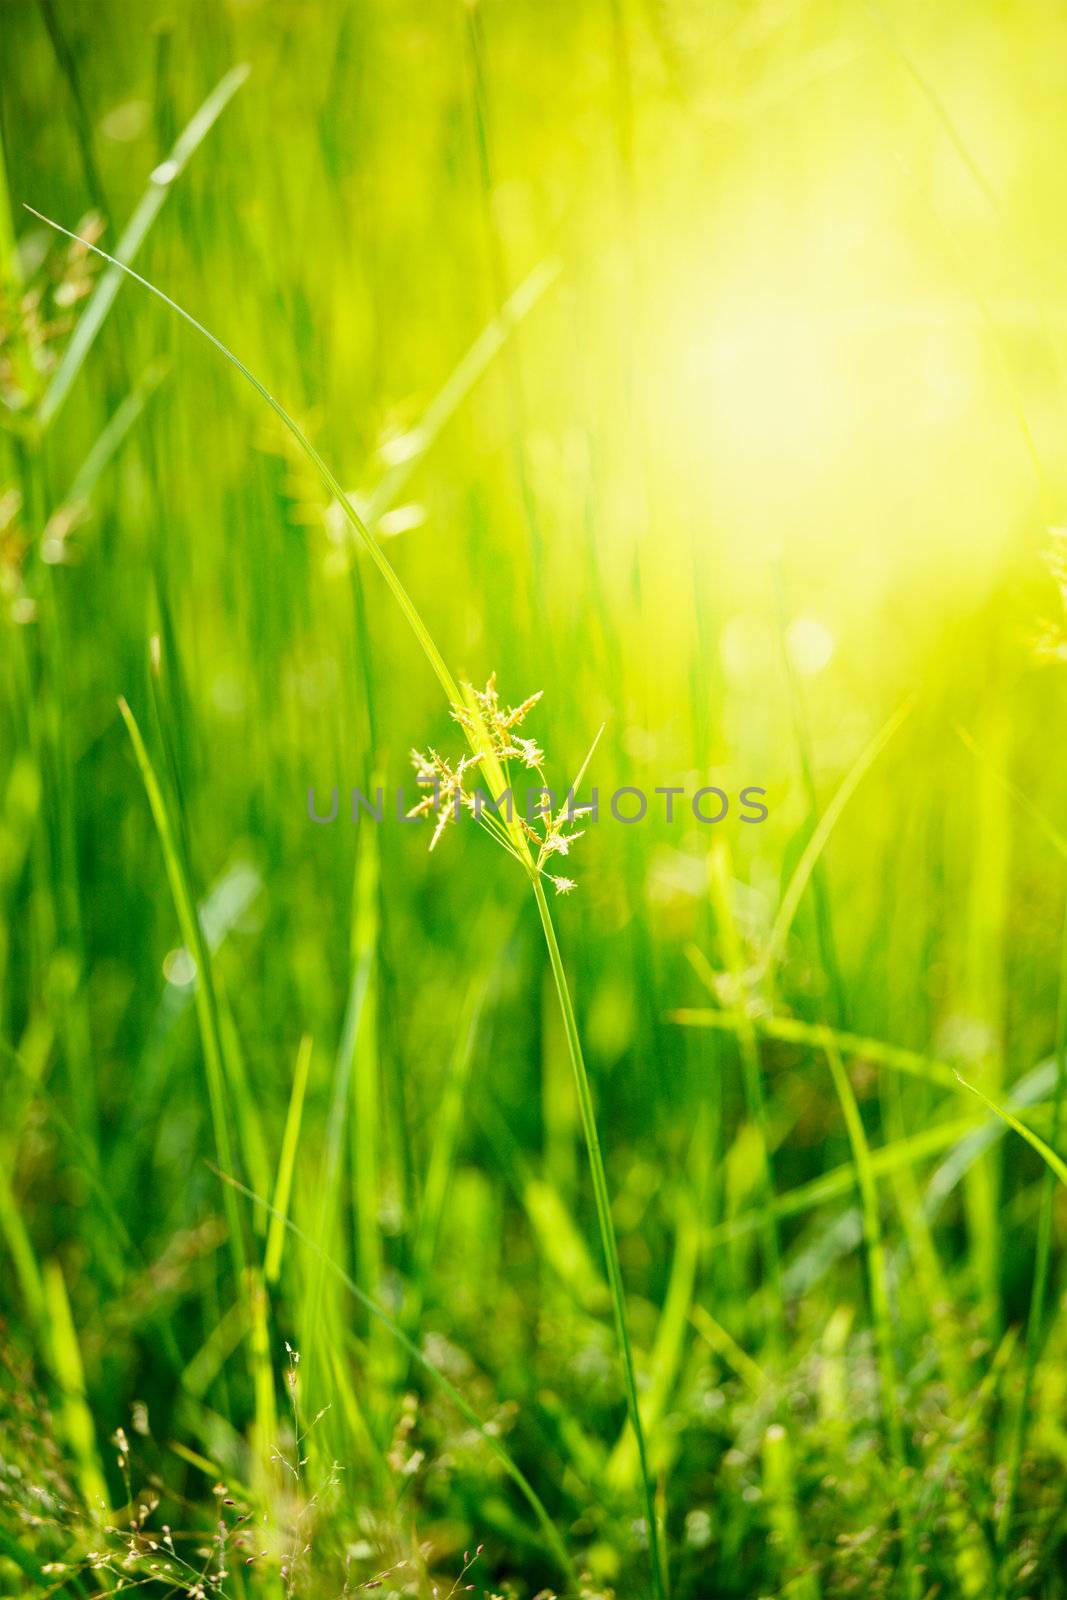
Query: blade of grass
x=817, y=843
x=265, y=1416
x=755, y=1102
x=790, y=1030
x=272, y=1260
x=366, y=1117
x=20, y=1249
x=361, y=957
x=1042, y=1265
x=491, y=767
x=780, y=1495
x=134, y=234
x=446, y=402
x=69, y=1374
x=328, y=478
x=193, y=939
x=820, y=887
x=841, y=1181
x=562, y=1244
x=608, y=1241
x=726, y=1346
x=979, y=995
x=23, y=372
x=669, y=1346
x=447, y=1126
x=1034, y=1140
x=67, y=62
x=879, y=1292
x=1048, y=828
x=522, y=1483
x=112, y=435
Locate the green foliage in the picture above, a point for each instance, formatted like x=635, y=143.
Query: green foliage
x=360, y=1222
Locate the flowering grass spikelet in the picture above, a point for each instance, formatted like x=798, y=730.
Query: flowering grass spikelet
x=488, y=719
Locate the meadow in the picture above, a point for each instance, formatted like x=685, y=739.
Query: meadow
x=634, y=399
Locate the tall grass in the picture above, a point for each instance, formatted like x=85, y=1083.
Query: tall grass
x=697, y=369
x=194, y=942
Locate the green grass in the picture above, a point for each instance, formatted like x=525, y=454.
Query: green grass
x=698, y=1232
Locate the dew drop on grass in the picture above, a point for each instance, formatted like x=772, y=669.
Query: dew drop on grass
x=179, y=968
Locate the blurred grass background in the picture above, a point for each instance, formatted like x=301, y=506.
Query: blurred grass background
x=771, y=440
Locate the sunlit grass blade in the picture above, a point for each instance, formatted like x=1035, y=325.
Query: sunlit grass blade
x=329, y=1206
x=283, y=1183
x=727, y=1348
x=1027, y=1091
x=562, y=1245
x=464, y=376
x=133, y=236
x=19, y=352
x=979, y=994
x=74, y=1407
x=265, y=1418
x=16, y=1237
x=1055, y=838
x=780, y=1494
x=244, y=1104
x=192, y=938
x=222, y=1340
x=1055, y=1162
x=820, y=889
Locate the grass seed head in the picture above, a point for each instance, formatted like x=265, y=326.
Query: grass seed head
x=450, y=791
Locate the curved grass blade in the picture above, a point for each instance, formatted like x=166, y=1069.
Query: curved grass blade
x=1034, y=1140
x=328, y=478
